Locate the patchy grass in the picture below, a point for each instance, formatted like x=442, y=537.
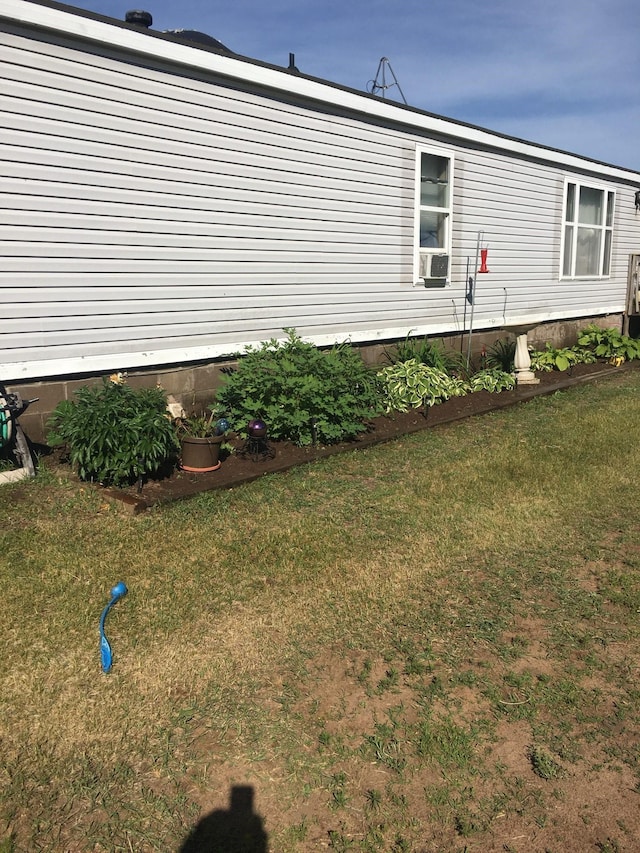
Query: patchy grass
x=430, y=645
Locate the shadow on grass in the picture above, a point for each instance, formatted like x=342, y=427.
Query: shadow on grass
x=237, y=829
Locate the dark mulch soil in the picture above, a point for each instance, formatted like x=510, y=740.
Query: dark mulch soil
x=237, y=469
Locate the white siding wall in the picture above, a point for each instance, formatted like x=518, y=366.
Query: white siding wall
x=151, y=217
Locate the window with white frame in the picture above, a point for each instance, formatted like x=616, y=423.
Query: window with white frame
x=588, y=231
x=434, y=197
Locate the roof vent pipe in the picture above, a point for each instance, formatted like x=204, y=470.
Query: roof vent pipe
x=139, y=17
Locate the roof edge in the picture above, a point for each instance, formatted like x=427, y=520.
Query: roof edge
x=90, y=26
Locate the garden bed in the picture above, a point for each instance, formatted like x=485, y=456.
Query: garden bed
x=237, y=469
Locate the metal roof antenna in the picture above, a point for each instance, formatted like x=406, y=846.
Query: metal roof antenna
x=380, y=84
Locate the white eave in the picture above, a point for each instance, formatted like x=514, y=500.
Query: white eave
x=84, y=25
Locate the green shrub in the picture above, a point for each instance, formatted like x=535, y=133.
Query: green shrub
x=609, y=343
x=115, y=434
x=410, y=384
x=493, y=380
x=303, y=394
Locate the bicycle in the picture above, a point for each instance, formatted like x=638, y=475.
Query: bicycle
x=12, y=439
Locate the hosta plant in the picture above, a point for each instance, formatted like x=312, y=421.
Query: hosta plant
x=115, y=434
x=493, y=380
x=609, y=343
x=411, y=384
x=551, y=358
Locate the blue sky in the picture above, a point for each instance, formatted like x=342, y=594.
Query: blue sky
x=563, y=73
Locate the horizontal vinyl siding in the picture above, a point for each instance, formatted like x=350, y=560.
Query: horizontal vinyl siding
x=187, y=214
x=148, y=217
x=518, y=206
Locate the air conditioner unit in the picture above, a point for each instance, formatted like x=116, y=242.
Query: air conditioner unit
x=434, y=266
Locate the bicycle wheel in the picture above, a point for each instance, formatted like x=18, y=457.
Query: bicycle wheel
x=23, y=452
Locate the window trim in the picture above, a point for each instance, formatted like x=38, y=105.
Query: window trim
x=604, y=228
x=418, y=207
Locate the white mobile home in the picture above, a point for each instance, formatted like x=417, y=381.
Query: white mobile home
x=165, y=202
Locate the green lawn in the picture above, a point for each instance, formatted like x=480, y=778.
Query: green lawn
x=427, y=646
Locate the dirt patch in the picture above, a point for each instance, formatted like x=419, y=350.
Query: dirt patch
x=503, y=804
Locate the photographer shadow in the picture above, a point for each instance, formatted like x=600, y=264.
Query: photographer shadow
x=237, y=829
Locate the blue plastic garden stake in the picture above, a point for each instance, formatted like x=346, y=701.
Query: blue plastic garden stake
x=117, y=592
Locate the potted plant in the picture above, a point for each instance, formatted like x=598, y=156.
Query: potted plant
x=201, y=436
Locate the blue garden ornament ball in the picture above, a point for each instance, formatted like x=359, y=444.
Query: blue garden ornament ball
x=117, y=592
